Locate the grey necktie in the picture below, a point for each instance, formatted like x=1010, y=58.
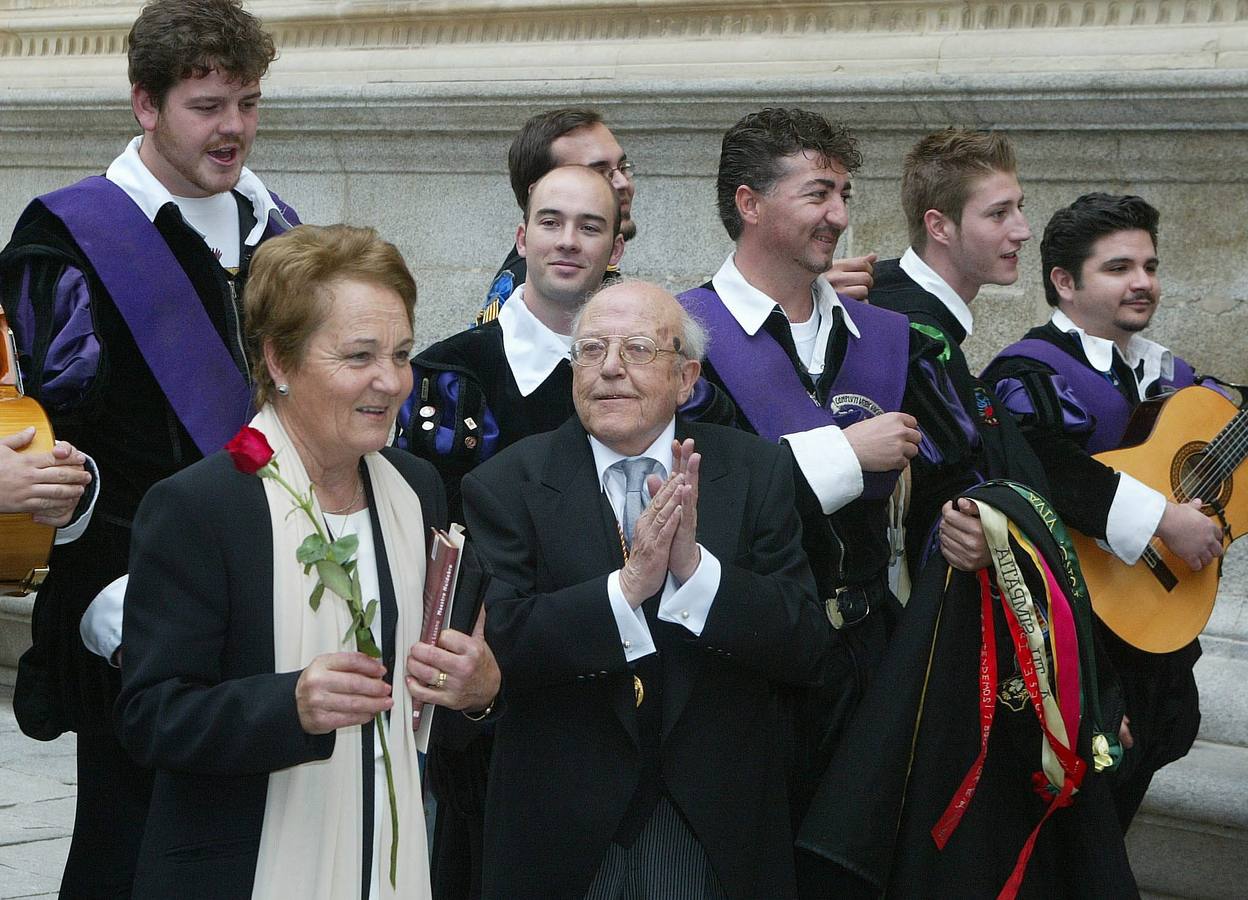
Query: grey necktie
x=635, y=470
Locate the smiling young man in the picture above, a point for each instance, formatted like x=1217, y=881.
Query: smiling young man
x=568, y=136
x=124, y=295
x=843, y=385
x=1073, y=383
x=964, y=215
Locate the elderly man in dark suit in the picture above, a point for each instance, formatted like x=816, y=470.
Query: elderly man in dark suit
x=647, y=646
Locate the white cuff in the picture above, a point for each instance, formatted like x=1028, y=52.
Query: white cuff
x=829, y=464
x=634, y=630
x=78, y=526
x=1133, y=518
x=100, y=627
x=690, y=604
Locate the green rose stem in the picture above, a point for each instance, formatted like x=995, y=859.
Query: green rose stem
x=336, y=569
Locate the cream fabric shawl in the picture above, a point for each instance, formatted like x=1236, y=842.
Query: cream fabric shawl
x=311, y=844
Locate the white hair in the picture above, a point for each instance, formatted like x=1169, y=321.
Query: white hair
x=693, y=336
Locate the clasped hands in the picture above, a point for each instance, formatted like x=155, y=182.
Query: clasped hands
x=347, y=688
x=665, y=537
x=46, y=485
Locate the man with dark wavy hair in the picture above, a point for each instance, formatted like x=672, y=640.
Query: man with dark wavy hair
x=1073, y=384
x=124, y=295
x=842, y=384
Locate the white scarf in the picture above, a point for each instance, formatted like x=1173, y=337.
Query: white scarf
x=310, y=844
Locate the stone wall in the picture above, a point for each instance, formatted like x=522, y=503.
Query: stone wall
x=399, y=115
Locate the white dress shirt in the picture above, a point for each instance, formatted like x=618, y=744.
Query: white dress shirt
x=823, y=454
x=1136, y=509
x=532, y=350
x=687, y=604
x=129, y=173
x=926, y=277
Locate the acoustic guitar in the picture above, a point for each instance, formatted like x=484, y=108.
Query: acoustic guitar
x=1188, y=445
x=24, y=544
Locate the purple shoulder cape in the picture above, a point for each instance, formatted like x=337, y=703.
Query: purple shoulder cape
x=759, y=375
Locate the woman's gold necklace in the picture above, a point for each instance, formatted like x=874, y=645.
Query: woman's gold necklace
x=359, y=492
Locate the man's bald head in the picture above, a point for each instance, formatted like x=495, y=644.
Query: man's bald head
x=623, y=401
x=569, y=237
x=596, y=194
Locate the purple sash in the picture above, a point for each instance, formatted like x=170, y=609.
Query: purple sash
x=760, y=377
x=160, y=306
x=1109, y=408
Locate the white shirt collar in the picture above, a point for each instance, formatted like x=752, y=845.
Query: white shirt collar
x=532, y=350
x=925, y=277
x=129, y=173
x=1158, y=361
x=660, y=451
x=751, y=307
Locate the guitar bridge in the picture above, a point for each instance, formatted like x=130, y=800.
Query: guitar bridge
x=1160, y=570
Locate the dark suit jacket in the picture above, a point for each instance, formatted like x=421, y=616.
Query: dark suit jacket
x=200, y=702
x=566, y=757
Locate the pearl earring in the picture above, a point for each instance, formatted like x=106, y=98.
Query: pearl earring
x=284, y=389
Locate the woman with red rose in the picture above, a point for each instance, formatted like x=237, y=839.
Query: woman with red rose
x=260, y=723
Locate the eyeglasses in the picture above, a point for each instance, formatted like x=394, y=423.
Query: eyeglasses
x=637, y=350
x=626, y=168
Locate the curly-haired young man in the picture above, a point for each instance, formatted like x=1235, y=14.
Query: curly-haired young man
x=124, y=295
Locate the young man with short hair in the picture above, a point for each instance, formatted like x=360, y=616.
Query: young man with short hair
x=1073, y=383
x=964, y=215
x=568, y=136
x=124, y=295
x=845, y=386
x=964, y=212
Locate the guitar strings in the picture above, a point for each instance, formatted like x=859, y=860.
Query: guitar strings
x=1216, y=463
x=1207, y=475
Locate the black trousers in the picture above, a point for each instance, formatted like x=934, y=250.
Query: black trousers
x=666, y=862
x=113, y=796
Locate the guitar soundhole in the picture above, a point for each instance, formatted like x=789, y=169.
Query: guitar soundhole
x=1184, y=477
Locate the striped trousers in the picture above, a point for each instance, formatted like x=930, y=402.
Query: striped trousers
x=666, y=862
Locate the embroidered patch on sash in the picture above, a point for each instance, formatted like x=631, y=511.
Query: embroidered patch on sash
x=848, y=404
x=983, y=404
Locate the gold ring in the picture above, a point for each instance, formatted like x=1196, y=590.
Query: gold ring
x=441, y=682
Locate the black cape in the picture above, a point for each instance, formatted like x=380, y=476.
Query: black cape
x=916, y=735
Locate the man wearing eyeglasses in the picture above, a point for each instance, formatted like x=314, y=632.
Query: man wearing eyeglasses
x=651, y=602
x=485, y=388
x=570, y=136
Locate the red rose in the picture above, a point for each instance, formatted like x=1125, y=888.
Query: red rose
x=250, y=450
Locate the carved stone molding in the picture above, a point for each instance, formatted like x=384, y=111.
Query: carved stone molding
x=58, y=42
